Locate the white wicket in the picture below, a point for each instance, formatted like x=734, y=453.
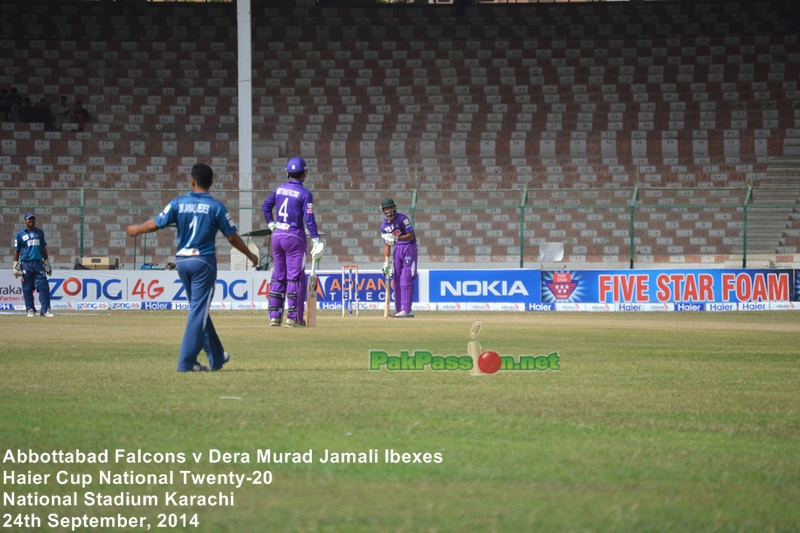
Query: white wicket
x=349, y=290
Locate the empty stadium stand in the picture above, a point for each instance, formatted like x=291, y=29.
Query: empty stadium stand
x=580, y=105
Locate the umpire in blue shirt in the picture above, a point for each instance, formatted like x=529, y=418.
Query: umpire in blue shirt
x=31, y=264
x=198, y=217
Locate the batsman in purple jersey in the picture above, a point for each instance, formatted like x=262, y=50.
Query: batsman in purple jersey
x=397, y=230
x=294, y=211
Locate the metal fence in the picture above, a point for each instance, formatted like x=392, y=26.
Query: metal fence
x=610, y=227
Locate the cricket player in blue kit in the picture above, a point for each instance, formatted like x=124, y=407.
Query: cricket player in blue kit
x=199, y=217
x=32, y=265
x=294, y=206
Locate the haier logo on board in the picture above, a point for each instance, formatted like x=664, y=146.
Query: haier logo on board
x=482, y=288
x=156, y=306
x=754, y=306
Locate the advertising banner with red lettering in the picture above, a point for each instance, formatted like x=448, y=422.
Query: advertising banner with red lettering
x=670, y=290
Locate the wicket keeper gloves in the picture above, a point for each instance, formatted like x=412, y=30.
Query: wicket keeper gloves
x=47, y=268
x=316, y=248
x=16, y=269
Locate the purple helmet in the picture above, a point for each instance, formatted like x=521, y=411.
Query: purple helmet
x=296, y=164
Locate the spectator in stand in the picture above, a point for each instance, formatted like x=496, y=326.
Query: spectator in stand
x=15, y=103
x=793, y=28
x=61, y=112
x=5, y=105
x=79, y=115
x=460, y=7
x=27, y=112
x=43, y=114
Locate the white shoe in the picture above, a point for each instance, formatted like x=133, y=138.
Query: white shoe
x=49, y=314
x=31, y=313
x=400, y=314
x=199, y=368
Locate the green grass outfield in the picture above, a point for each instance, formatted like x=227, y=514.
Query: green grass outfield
x=654, y=422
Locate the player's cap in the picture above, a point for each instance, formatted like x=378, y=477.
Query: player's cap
x=296, y=164
x=29, y=215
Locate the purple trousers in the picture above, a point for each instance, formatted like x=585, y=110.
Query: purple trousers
x=405, y=271
x=288, y=274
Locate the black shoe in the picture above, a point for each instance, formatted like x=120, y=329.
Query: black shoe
x=225, y=358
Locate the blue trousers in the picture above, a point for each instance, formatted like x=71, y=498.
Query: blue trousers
x=199, y=277
x=34, y=277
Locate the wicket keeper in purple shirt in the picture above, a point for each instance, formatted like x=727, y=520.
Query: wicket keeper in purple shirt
x=396, y=229
x=294, y=211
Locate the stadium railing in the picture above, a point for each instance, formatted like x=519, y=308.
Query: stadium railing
x=645, y=226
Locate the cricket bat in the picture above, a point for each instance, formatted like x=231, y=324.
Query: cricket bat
x=311, y=296
x=389, y=276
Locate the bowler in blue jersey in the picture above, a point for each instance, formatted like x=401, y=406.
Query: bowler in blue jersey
x=199, y=217
x=32, y=265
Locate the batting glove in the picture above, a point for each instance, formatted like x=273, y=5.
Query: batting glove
x=317, y=248
x=16, y=269
x=272, y=226
x=390, y=238
x=47, y=268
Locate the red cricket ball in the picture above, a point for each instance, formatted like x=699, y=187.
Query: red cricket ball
x=489, y=362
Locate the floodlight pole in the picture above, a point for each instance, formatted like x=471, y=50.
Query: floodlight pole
x=245, y=101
